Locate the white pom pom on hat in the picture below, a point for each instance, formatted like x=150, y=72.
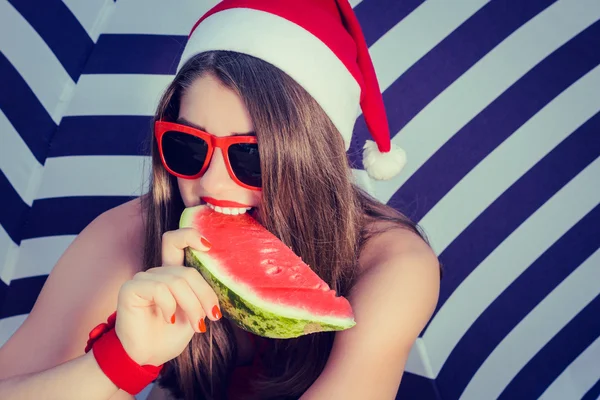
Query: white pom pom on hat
x=320, y=44
x=383, y=165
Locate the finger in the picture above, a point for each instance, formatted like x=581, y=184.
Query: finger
x=174, y=243
x=152, y=291
x=184, y=296
x=202, y=290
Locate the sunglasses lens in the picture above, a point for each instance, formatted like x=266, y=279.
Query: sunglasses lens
x=184, y=154
x=245, y=163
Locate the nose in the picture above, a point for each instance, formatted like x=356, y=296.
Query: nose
x=215, y=178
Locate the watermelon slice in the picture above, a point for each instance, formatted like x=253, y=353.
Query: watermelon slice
x=262, y=285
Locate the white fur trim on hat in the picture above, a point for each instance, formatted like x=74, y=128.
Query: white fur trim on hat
x=382, y=166
x=289, y=47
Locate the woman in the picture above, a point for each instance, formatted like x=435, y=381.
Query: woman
x=299, y=118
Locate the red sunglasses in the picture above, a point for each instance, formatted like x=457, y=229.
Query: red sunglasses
x=186, y=153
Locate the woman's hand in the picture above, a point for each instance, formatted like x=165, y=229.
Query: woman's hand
x=159, y=310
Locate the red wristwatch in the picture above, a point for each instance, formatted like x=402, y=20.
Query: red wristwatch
x=114, y=361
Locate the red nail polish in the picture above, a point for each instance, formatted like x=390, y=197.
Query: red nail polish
x=205, y=242
x=202, y=325
x=216, y=312
x=173, y=319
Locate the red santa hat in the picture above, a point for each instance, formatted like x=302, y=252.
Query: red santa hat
x=319, y=43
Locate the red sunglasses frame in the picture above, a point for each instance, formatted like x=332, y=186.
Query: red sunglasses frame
x=161, y=127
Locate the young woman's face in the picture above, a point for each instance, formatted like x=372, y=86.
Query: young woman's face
x=215, y=109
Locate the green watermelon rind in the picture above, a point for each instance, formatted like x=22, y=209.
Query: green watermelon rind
x=255, y=319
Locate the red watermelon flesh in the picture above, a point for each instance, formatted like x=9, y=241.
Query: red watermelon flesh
x=263, y=286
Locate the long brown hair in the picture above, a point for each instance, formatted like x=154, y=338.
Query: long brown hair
x=309, y=201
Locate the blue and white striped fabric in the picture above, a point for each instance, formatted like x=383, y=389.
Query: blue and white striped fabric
x=497, y=104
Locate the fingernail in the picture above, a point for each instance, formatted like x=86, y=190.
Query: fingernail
x=173, y=319
x=205, y=242
x=202, y=325
x=216, y=312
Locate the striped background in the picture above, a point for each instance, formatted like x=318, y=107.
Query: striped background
x=496, y=103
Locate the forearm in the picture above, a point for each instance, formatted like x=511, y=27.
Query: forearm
x=80, y=378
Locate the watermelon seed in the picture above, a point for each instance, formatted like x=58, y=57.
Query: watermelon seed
x=267, y=250
x=274, y=270
x=295, y=276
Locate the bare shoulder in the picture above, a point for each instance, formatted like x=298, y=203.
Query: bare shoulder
x=393, y=243
x=402, y=268
x=401, y=257
x=122, y=226
x=401, y=277
x=80, y=292
x=392, y=299
x=115, y=235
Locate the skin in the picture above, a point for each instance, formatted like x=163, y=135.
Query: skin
x=220, y=112
x=392, y=300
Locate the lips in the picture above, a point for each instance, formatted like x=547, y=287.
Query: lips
x=224, y=203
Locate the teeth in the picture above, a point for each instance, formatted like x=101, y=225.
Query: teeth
x=228, y=210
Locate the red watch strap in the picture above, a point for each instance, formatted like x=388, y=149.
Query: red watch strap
x=119, y=367
x=114, y=361
x=100, y=330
